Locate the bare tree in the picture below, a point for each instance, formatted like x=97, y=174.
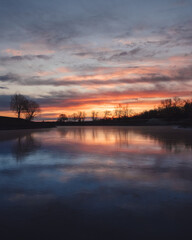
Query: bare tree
x=62, y=118
x=18, y=104
x=119, y=111
x=74, y=116
x=31, y=109
x=131, y=113
x=107, y=114
x=125, y=111
x=167, y=103
x=178, y=102
x=81, y=116
x=94, y=115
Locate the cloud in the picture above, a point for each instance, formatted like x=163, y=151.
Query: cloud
x=76, y=99
x=23, y=58
x=111, y=54
x=4, y=102
x=10, y=78
x=83, y=54
x=136, y=52
x=116, y=78
x=179, y=34
x=28, y=49
x=3, y=87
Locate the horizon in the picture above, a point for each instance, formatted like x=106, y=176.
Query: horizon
x=82, y=55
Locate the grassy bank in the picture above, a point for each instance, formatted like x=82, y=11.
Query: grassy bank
x=8, y=123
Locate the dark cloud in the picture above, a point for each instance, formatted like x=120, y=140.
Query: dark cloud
x=3, y=87
x=54, y=33
x=179, y=34
x=122, y=54
x=4, y=102
x=135, y=51
x=84, y=54
x=178, y=75
x=10, y=78
x=23, y=58
x=128, y=54
x=102, y=55
x=54, y=23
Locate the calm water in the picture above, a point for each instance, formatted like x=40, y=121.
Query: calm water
x=96, y=183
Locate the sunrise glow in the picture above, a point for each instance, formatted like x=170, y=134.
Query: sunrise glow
x=92, y=56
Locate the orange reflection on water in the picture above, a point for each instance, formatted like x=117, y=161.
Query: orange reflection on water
x=104, y=136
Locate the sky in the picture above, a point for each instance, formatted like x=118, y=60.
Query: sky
x=84, y=55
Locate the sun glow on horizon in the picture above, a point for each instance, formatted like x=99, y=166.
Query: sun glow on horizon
x=80, y=60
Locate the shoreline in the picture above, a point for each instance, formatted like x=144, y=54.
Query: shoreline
x=7, y=123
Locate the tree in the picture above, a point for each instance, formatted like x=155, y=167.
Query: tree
x=107, y=114
x=74, y=116
x=167, y=103
x=125, y=111
x=177, y=102
x=31, y=109
x=18, y=104
x=62, y=118
x=188, y=108
x=119, y=111
x=94, y=115
x=81, y=116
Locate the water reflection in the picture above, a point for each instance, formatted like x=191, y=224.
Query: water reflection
x=169, y=138
x=21, y=143
x=102, y=181
x=24, y=146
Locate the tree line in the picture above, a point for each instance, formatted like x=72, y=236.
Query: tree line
x=170, y=109
x=121, y=111
x=173, y=109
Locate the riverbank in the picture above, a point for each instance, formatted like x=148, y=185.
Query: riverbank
x=130, y=122
x=8, y=123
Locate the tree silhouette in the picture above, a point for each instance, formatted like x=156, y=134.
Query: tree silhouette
x=107, y=114
x=18, y=104
x=62, y=118
x=119, y=111
x=31, y=109
x=81, y=116
x=94, y=115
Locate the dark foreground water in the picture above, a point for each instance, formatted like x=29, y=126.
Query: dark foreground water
x=96, y=183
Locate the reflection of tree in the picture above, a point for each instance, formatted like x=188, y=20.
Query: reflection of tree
x=76, y=132
x=170, y=139
x=24, y=146
x=63, y=131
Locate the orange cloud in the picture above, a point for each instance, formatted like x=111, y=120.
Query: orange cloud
x=28, y=49
x=13, y=52
x=63, y=70
x=137, y=101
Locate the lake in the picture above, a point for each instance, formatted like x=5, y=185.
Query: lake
x=96, y=183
